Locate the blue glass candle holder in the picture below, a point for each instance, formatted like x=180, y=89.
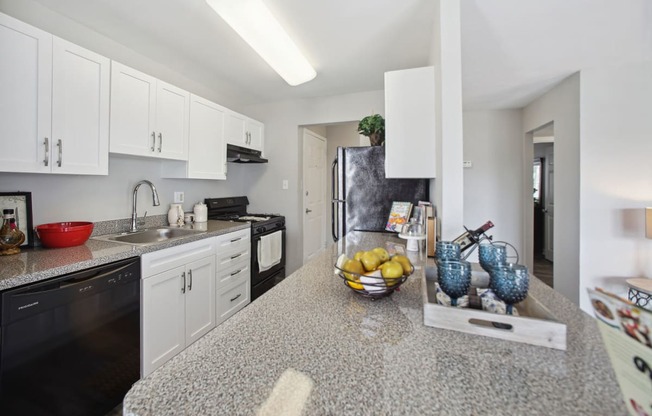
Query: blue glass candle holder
x=447, y=250
x=491, y=255
x=454, y=278
x=510, y=282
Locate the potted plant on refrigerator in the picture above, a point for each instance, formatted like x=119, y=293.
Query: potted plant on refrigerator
x=373, y=127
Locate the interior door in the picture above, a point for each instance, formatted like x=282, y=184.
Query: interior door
x=314, y=194
x=549, y=211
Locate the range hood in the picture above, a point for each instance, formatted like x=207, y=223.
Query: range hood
x=237, y=154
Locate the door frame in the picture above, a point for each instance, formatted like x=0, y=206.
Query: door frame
x=303, y=186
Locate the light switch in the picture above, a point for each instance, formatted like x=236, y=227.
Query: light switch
x=285, y=184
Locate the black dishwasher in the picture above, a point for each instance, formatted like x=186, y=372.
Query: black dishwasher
x=71, y=345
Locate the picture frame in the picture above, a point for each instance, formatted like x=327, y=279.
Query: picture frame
x=21, y=203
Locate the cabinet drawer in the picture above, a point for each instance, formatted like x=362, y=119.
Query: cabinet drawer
x=226, y=260
x=227, y=275
x=233, y=242
x=232, y=299
x=169, y=258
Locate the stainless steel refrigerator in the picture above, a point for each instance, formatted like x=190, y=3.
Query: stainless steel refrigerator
x=361, y=195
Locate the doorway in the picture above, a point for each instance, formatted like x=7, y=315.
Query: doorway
x=543, y=196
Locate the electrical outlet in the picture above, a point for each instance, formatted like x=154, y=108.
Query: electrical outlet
x=467, y=164
x=285, y=184
x=178, y=197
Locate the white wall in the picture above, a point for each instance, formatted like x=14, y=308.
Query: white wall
x=98, y=198
x=282, y=139
x=561, y=105
x=493, y=142
x=616, y=176
x=445, y=55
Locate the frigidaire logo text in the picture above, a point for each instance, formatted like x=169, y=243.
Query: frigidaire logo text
x=29, y=305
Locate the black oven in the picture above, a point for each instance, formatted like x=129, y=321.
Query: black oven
x=261, y=282
x=235, y=209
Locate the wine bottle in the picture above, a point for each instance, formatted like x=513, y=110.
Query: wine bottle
x=471, y=237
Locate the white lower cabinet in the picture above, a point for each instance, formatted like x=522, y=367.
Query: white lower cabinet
x=178, y=300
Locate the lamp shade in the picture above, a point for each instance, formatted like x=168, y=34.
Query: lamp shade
x=648, y=222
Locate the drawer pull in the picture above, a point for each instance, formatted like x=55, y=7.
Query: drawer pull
x=236, y=272
x=236, y=239
x=190, y=280
x=183, y=286
x=236, y=256
x=239, y=294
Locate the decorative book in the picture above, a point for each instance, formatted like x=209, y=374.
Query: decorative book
x=398, y=215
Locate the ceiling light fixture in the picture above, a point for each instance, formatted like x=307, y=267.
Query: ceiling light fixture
x=253, y=21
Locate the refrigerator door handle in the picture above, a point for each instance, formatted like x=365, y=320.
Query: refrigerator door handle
x=334, y=201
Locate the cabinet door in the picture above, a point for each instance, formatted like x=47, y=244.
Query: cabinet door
x=410, y=123
x=206, y=149
x=255, y=131
x=80, y=110
x=25, y=98
x=234, y=129
x=163, y=314
x=172, y=110
x=200, y=298
x=133, y=95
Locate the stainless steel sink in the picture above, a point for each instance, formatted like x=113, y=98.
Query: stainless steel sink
x=149, y=236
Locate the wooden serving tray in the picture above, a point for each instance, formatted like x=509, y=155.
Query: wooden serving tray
x=536, y=325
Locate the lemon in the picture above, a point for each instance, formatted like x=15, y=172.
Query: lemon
x=382, y=253
x=370, y=261
x=405, y=263
x=358, y=255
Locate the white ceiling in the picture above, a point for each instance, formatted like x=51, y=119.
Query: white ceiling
x=512, y=50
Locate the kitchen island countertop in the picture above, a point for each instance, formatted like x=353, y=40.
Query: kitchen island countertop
x=33, y=265
x=345, y=354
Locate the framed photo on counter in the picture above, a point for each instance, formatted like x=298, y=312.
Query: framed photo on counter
x=21, y=203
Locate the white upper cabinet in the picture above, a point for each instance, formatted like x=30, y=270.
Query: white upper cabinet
x=410, y=135
x=243, y=131
x=54, y=105
x=26, y=98
x=206, y=147
x=80, y=110
x=148, y=117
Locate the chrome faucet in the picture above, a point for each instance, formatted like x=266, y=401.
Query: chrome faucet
x=155, y=202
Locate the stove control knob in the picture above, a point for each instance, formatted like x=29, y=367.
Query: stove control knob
x=260, y=229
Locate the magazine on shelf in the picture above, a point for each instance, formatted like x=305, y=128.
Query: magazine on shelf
x=627, y=333
x=398, y=216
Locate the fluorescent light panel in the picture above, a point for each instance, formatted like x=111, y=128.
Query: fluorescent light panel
x=253, y=21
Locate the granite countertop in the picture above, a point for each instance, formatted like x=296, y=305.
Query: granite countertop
x=35, y=264
x=332, y=351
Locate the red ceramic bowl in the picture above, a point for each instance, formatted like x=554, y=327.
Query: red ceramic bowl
x=64, y=234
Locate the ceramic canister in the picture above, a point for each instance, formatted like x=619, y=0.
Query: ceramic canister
x=201, y=212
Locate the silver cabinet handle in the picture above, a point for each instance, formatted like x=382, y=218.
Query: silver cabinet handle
x=153, y=141
x=60, y=145
x=239, y=294
x=160, y=142
x=236, y=256
x=46, y=143
x=236, y=272
x=183, y=286
x=308, y=211
x=189, y=280
x=236, y=239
